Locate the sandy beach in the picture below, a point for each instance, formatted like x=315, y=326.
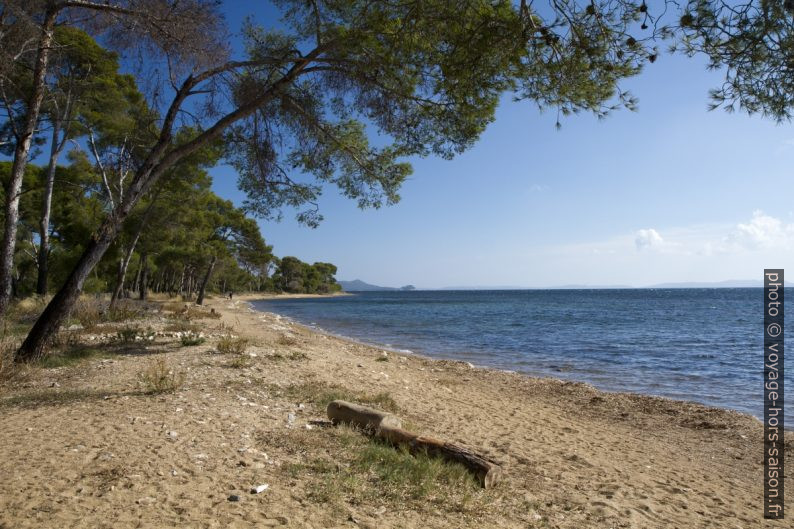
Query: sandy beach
x=85, y=446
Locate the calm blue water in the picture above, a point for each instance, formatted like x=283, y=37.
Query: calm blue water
x=704, y=345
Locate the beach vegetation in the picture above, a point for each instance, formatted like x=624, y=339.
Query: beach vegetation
x=232, y=345
x=73, y=356
x=192, y=339
x=160, y=377
x=355, y=469
x=320, y=395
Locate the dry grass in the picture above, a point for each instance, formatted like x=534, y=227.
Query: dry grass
x=88, y=314
x=225, y=328
x=182, y=326
x=124, y=311
x=232, y=345
x=187, y=312
x=239, y=361
x=8, y=370
x=158, y=377
x=292, y=355
x=321, y=394
x=27, y=310
x=287, y=340
x=236, y=348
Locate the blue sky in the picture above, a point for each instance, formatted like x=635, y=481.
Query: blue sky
x=669, y=193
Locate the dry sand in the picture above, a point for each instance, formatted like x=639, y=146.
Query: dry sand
x=83, y=446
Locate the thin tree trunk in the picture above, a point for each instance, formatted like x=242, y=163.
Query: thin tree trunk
x=46, y=208
x=120, y=275
x=134, y=286
x=200, y=299
x=23, y=143
x=182, y=281
x=126, y=260
x=144, y=271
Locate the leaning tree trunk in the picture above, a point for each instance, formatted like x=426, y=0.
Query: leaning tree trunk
x=200, y=299
x=61, y=304
x=21, y=152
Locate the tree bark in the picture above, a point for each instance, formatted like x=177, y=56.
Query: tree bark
x=21, y=151
x=200, y=299
x=368, y=419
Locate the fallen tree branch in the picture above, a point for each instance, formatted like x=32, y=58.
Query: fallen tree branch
x=389, y=428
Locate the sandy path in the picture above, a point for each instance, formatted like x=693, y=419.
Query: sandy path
x=575, y=457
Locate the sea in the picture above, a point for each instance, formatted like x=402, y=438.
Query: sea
x=701, y=345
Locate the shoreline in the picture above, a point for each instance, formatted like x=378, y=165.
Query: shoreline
x=536, y=375
x=248, y=297
x=83, y=446
x=691, y=437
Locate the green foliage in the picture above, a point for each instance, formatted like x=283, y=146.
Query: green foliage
x=753, y=43
x=293, y=275
x=128, y=334
x=192, y=339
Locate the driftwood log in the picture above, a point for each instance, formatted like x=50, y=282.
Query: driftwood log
x=389, y=428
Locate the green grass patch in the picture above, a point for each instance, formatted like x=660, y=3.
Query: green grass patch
x=73, y=356
x=358, y=469
x=192, y=339
x=52, y=397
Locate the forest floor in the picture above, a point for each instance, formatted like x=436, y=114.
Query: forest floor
x=140, y=423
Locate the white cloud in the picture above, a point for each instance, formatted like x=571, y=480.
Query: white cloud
x=649, y=238
x=536, y=188
x=763, y=231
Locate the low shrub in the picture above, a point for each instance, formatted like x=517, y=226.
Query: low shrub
x=158, y=377
x=192, y=338
x=128, y=334
x=232, y=345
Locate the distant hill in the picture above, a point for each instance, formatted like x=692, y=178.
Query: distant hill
x=732, y=283
x=358, y=285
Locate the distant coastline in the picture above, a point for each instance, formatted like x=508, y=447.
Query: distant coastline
x=361, y=286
